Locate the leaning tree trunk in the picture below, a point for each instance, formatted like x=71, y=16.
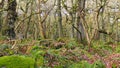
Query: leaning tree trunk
x=11, y=18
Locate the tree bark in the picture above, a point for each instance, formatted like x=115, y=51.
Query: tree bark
x=81, y=6
x=60, y=28
x=1, y=8
x=11, y=18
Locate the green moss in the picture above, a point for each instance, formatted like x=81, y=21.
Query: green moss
x=85, y=64
x=38, y=54
x=117, y=49
x=59, y=66
x=16, y=62
x=3, y=37
x=40, y=61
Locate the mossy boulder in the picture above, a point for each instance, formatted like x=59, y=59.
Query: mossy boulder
x=16, y=62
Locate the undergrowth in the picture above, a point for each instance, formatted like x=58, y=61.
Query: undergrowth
x=63, y=53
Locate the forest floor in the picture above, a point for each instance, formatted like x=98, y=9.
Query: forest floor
x=61, y=53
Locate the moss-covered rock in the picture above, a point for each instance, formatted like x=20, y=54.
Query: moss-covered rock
x=16, y=62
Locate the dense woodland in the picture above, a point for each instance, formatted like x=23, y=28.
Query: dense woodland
x=59, y=33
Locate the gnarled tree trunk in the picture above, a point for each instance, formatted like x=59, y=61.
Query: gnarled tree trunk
x=11, y=18
x=80, y=26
